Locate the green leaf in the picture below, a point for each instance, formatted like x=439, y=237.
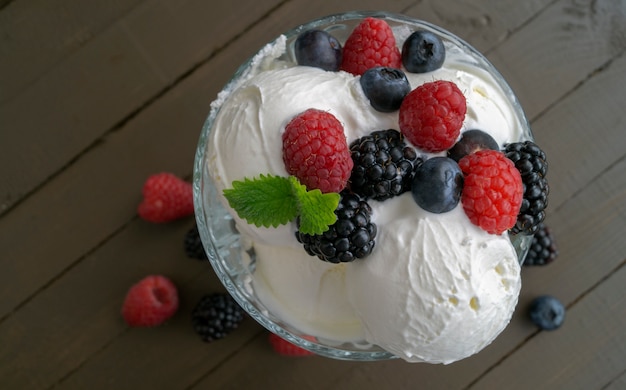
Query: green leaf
x=316, y=210
x=271, y=201
x=266, y=201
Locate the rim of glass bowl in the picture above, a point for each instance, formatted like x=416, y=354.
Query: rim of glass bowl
x=222, y=245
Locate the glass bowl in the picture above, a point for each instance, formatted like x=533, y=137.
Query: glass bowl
x=233, y=265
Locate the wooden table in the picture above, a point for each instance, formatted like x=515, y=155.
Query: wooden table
x=96, y=96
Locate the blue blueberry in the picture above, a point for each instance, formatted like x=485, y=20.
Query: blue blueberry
x=547, y=312
x=472, y=141
x=437, y=185
x=423, y=51
x=319, y=49
x=385, y=88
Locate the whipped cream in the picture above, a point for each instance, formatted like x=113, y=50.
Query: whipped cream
x=436, y=288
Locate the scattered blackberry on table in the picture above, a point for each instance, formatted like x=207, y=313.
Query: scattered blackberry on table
x=437, y=185
x=383, y=165
x=319, y=49
x=547, y=312
x=531, y=162
x=351, y=237
x=423, y=51
x=216, y=315
x=193, y=244
x=385, y=87
x=472, y=141
x=543, y=248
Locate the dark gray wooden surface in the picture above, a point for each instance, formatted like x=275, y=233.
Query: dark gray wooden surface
x=96, y=96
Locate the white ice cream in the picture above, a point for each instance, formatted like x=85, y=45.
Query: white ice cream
x=436, y=288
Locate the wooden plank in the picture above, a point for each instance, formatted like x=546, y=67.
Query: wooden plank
x=618, y=383
x=36, y=35
x=571, y=40
x=592, y=360
x=106, y=81
x=483, y=23
x=581, y=143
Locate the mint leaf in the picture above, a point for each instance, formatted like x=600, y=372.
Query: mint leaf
x=266, y=201
x=317, y=210
x=271, y=201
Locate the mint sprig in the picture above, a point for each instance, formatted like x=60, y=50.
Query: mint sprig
x=271, y=201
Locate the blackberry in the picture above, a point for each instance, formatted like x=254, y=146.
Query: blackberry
x=193, y=244
x=351, y=237
x=216, y=315
x=543, y=248
x=384, y=165
x=531, y=162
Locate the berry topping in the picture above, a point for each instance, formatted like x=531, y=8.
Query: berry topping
x=285, y=348
x=215, y=316
x=348, y=239
x=492, y=190
x=385, y=88
x=423, y=51
x=432, y=114
x=472, y=141
x=319, y=49
x=543, y=249
x=547, y=312
x=150, y=302
x=165, y=198
x=437, y=185
x=315, y=151
x=383, y=165
x=370, y=44
x=531, y=162
x=193, y=244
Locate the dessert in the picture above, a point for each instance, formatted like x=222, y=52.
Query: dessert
x=406, y=274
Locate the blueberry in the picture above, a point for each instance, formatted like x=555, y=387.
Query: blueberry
x=423, y=51
x=547, y=312
x=472, y=141
x=437, y=185
x=385, y=87
x=319, y=49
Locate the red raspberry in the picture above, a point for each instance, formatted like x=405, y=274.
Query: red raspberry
x=165, y=198
x=150, y=302
x=315, y=151
x=285, y=348
x=432, y=114
x=492, y=190
x=370, y=44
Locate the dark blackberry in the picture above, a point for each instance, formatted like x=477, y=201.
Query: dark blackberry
x=351, y=237
x=215, y=316
x=193, y=244
x=531, y=162
x=543, y=248
x=384, y=165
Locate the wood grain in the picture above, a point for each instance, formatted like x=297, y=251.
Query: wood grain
x=95, y=98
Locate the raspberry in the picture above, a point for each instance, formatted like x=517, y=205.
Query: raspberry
x=165, y=198
x=351, y=237
x=432, y=114
x=193, y=244
x=315, y=151
x=370, y=44
x=285, y=348
x=492, y=190
x=150, y=302
x=531, y=162
x=384, y=165
x=215, y=316
x=543, y=248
